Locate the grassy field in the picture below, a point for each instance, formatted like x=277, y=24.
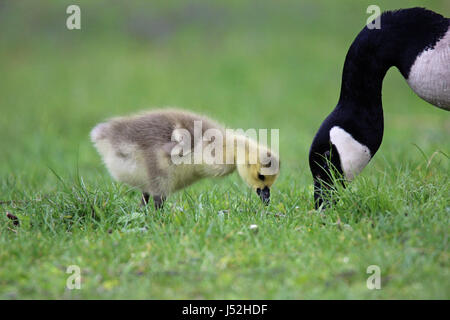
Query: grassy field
x=252, y=64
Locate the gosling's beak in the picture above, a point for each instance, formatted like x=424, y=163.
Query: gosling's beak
x=264, y=194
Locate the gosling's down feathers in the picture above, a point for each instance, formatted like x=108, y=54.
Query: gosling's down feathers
x=156, y=152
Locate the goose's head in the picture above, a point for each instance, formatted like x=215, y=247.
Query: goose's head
x=260, y=182
x=324, y=163
x=336, y=155
x=259, y=169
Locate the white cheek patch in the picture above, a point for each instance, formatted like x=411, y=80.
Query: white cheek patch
x=354, y=156
x=429, y=76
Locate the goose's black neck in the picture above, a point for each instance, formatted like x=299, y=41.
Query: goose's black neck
x=402, y=36
x=363, y=74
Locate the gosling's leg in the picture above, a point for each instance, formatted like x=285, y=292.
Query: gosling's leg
x=145, y=198
x=159, y=201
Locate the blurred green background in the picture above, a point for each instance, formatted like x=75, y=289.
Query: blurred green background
x=248, y=64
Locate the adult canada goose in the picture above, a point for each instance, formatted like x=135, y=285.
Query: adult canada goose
x=417, y=42
x=163, y=151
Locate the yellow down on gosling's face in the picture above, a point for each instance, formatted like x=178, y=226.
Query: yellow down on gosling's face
x=158, y=151
x=258, y=166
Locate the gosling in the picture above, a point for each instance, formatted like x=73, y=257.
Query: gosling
x=163, y=151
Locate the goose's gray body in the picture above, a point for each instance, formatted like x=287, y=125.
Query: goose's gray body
x=429, y=76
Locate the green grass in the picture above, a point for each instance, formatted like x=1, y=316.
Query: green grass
x=249, y=65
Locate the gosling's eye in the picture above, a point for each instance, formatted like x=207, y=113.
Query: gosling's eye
x=261, y=177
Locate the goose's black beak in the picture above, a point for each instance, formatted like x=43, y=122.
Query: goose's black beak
x=318, y=194
x=264, y=194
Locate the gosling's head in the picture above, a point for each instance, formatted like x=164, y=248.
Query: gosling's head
x=259, y=170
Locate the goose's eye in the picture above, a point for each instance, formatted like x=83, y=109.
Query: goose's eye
x=261, y=177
